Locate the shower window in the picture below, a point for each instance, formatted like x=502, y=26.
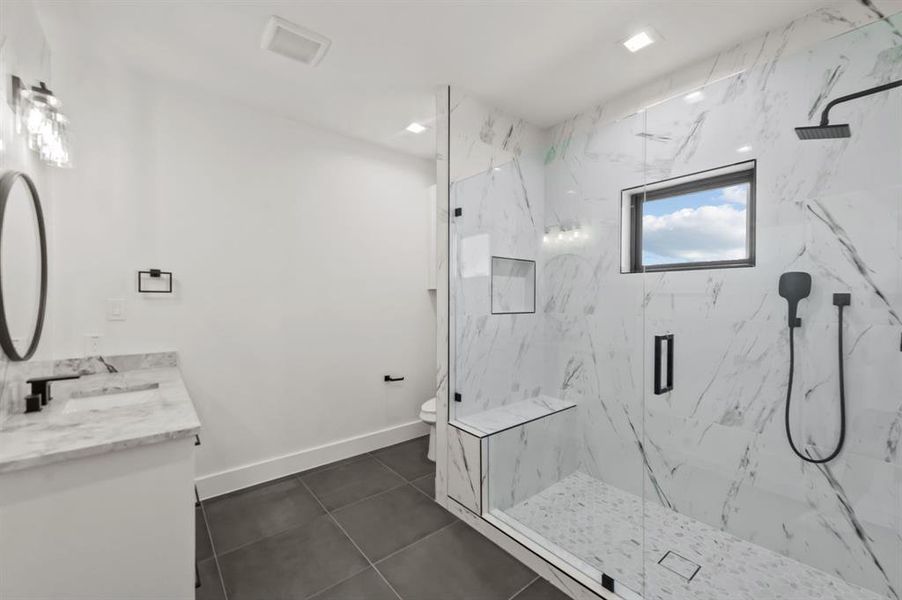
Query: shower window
x=700, y=221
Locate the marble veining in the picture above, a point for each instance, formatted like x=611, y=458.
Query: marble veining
x=13, y=390
x=712, y=451
x=711, y=454
x=714, y=448
x=162, y=410
x=466, y=471
x=528, y=458
x=497, y=181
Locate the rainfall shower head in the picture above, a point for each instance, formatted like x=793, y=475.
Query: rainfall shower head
x=794, y=286
x=823, y=132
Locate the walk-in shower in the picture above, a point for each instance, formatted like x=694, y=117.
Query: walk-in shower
x=694, y=228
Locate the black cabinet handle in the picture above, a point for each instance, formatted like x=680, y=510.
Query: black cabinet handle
x=659, y=387
x=390, y=378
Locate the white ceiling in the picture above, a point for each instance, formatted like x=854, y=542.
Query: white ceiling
x=541, y=60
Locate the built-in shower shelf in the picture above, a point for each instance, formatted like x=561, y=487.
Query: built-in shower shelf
x=505, y=417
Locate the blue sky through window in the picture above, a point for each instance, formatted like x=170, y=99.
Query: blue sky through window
x=697, y=227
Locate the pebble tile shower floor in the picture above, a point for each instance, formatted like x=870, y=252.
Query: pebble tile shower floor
x=365, y=528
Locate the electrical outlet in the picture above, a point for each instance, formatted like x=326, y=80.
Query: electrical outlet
x=92, y=344
x=115, y=309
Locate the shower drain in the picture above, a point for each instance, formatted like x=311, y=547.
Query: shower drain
x=680, y=565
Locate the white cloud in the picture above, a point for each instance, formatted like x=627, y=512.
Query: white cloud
x=735, y=194
x=696, y=234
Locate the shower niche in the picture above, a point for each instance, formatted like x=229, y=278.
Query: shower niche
x=513, y=286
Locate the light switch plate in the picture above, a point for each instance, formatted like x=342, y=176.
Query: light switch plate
x=115, y=309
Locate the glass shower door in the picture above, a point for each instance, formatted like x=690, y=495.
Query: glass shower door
x=547, y=335
x=730, y=510
x=594, y=327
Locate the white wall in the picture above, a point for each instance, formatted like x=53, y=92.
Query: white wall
x=298, y=257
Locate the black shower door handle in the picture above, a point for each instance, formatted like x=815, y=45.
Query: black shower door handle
x=659, y=341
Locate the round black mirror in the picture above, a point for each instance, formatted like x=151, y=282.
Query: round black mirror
x=23, y=266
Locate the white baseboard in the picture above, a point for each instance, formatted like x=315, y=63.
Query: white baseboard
x=244, y=476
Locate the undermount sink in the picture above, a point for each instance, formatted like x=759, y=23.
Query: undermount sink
x=113, y=398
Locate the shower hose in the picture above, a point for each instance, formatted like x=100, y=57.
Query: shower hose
x=842, y=400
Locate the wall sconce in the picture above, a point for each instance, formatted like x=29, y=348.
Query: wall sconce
x=38, y=114
x=565, y=235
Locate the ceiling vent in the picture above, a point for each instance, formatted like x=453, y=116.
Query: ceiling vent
x=293, y=41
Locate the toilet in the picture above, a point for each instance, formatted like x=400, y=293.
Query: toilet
x=427, y=414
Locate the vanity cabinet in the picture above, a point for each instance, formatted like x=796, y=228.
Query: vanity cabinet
x=117, y=526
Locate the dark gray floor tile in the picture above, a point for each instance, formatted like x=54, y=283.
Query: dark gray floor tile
x=427, y=484
x=365, y=586
x=408, y=458
x=458, y=562
x=541, y=590
x=202, y=547
x=385, y=523
x=210, y=585
x=251, y=514
x=350, y=482
x=291, y=565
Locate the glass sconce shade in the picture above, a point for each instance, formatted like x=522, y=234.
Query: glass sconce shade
x=39, y=117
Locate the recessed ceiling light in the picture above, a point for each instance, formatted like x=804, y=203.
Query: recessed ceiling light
x=744, y=149
x=415, y=128
x=638, y=41
x=693, y=97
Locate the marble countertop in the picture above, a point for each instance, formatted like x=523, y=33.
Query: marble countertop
x=97, y=414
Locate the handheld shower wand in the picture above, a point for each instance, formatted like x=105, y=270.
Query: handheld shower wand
x=795, y=286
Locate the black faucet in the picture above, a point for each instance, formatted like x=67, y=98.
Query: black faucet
x=40, y=387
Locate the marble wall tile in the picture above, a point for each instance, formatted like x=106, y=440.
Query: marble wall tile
x=497, y=181
x=715, y=449
x=836, y=19
x=466, y=472
x=525, y=460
